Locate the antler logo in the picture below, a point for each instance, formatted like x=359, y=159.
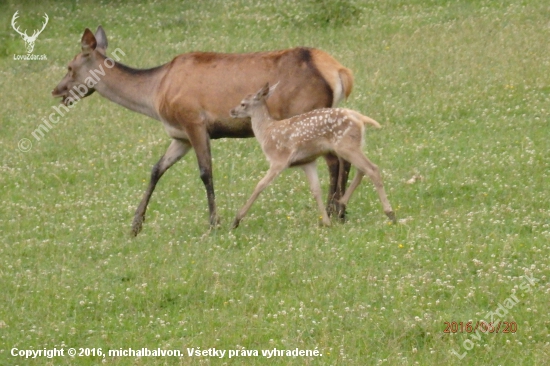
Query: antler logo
x=29, y=41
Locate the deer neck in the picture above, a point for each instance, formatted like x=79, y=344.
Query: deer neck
x=260, y=120
x=131, y=88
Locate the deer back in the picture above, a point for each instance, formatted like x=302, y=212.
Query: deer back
x=205, y=86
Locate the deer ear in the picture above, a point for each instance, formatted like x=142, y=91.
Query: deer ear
x=88, y=42
x=101, y=39
x=271, y=89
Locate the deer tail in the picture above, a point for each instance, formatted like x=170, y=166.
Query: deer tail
x=346, y=78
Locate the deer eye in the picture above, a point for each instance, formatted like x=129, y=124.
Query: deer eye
x=70, y=69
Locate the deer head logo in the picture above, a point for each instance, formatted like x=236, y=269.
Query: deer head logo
x=29, y=41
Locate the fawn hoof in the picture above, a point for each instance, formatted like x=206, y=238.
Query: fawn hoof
x=326, y=223
x=342, y=213
x=391, y=216
x=137, y=225
x=337, y=210
x=236, y=223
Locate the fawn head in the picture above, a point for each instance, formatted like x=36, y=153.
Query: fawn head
x=251, y=101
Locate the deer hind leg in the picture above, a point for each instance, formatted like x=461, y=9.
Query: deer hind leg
x=272, y=173
x=339, y=172
x=176, y=150
x=313, y=179
x=201, y=143
x=366, y=167
x=344, y=168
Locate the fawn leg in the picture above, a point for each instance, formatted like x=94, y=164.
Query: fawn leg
x=362, y=163
x=272, y=173
x=313, y=179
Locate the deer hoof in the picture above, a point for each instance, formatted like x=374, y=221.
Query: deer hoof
x=332, y=208
x=391, y=216
x=337, y=210
x=137, y=225
x=214, y=221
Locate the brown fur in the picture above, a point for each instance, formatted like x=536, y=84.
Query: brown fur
x=214, y=82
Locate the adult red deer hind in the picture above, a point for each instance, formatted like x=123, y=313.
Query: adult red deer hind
x=193, y=94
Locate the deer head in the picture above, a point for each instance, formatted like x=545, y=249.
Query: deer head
x=78, y=69
x=29, y=41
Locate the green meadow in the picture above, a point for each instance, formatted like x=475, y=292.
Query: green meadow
x=462, y=91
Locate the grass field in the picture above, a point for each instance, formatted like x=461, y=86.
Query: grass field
x=462, y=89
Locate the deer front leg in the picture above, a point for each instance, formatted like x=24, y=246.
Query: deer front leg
x=201, y=143
x=175, y=152
x=272, y=173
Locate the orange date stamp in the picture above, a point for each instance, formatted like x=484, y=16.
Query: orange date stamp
x=482, y=326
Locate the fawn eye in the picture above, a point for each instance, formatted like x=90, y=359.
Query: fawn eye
x=70, y=69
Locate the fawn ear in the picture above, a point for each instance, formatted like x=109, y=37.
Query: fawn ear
x=101, y=39
x=88, y=42
x=263, y=93
x=272, y=89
